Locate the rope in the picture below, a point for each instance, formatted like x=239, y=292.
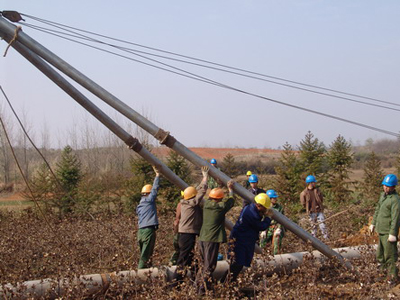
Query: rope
x=17, y=29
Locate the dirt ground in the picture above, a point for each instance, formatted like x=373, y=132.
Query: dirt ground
x=33, y=247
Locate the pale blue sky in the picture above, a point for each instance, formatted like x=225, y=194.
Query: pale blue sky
x=352, y=46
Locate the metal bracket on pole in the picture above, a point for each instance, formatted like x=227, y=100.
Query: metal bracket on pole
x=134, y=144
x=165, y=138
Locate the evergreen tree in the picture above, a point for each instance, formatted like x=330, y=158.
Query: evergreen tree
x=287, y=181
x=229, y=165
x=312, y=153
x=182, y=169
x=372, y=179
x=340, y=159
x=69, y=174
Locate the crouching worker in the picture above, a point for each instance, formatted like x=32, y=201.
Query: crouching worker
x=276, y=231
x=190, y=223
x=253, y=219
x=213, y=233
x=148, y=221
x=387, y=221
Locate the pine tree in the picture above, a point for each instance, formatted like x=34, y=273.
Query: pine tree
x=340, y=159
x=181, y=168
x=287, y=180
x=229, y=165
x=69, y=174
x=372, y=179
x=312, y=153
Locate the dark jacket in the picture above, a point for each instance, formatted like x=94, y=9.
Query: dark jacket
x=255, y=193
x=245, y=233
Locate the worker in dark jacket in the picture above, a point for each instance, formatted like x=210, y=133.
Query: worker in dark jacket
x=254, y=189
x=213, y=233
x=148, y=221
x=387, y=221
x=245, y=233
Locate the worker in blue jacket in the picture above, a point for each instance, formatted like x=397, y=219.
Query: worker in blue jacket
x=147, y=221
x=245, y=233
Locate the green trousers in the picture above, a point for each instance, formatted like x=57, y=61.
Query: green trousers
x=146, y=240
x=175, y=255
x=387, y=255
x=276, y=241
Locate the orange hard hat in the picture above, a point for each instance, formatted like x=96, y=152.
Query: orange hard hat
x=147, y=188
x=216, y=193
x=189, y=193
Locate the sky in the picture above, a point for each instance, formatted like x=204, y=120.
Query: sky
x=350, y=46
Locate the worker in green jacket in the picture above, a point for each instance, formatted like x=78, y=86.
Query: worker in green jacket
x=386, y=222
x=212, y=233
x=275, y=232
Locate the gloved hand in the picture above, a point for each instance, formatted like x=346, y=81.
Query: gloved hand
x=204, y=170
x=371, y=228
x=156, y=171
x=392, y=238
x=263, y=235
x=277, y=232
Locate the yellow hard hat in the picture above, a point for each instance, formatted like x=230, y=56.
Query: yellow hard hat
x=147, y=188
x=216, y=193
x=263, y=200
x=189, y=193
x=249, y=173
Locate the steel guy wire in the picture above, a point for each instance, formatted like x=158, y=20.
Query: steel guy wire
x=213, y=63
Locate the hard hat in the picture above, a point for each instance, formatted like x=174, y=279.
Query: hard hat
x=253, y=178
x=214, y=161
x=216, y=193
x=390, y=180
x=147, y=188
x=189, y=193
x=248, y=173
x=310, y=178
x=263, y=200
x=272, y=194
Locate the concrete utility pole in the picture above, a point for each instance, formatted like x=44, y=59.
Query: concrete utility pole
x=9, y=32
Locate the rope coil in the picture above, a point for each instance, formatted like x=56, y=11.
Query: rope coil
x=17, y=29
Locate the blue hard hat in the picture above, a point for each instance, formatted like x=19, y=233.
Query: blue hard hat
x=310, y=178
x=253, y=178
x=213, y=161
x=272, y=194
x=390, y=180
x=220, y=256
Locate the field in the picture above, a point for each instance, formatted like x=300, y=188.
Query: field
x=33, y=247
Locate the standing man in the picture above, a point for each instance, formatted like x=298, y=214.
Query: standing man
x=190, y=222
x=276, y=231
x=253, y=219
x=212, y=183
x=175, y=255
x=254, y=189
x=387, y=221
x=148, y=221
x=311, y=198
x=246, y=183
x=213, y=233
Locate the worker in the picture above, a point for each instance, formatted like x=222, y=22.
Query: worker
x=276, y=231
x=212, y=183
x=148, y=221
x=253, y=218
x=246, y=183
x=190, y=223
x=213, y=233
x=254, y=189
x=386, y=222
x=175, y=255
x=312, y=199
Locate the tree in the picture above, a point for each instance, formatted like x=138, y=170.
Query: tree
x=398, y=164
x=69, y=174
x=340, y=159
x=372, y=179
x=287, y=180
x=229, y=166
x=312, y=153
x=181, y=168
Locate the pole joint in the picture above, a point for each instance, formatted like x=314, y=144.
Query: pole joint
x=165, y=138
x=134, y=144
